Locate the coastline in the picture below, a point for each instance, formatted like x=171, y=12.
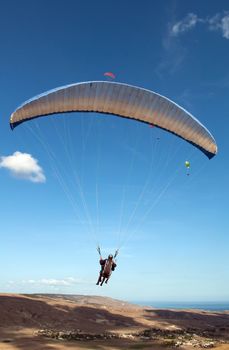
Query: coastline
x=187, y=305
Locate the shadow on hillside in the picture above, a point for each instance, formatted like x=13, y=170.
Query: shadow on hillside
x=214, y=323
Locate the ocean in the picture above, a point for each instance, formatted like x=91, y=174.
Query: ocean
x=211, y=306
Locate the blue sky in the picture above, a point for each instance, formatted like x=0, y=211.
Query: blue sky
x=179, y=250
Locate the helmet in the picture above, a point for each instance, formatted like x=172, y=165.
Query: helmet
x=110, y=256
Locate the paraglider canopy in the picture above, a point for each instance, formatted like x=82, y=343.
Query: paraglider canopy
x=187, y=164
x=122, y=100
x=110, y=75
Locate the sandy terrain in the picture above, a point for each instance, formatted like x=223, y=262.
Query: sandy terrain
x=58, y=322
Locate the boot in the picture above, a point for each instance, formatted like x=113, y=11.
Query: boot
x=99, y=280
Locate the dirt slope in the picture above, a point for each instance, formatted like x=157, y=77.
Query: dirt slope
x=33, y=321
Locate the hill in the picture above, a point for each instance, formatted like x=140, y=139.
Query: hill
x=45, y=321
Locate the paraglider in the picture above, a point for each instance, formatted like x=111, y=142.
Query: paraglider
x=187, y=165
x=107, y=267
x=110, y=75
x=121, y=100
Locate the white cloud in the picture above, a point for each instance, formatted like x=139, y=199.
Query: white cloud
x=23, y=166
x=218, y=22
x=174, y=52
x=52, y=282
x=214, y=22
x=225, y=26
x=188, y=23
x=69, y=285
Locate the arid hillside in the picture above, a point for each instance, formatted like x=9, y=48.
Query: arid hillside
x=91, y=322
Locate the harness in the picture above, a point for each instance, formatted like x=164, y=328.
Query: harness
x=107, y=268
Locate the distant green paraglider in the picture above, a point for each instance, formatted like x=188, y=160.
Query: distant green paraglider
x=187, y=164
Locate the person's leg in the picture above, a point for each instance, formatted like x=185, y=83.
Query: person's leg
x=99, y=279
x=107, y=279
